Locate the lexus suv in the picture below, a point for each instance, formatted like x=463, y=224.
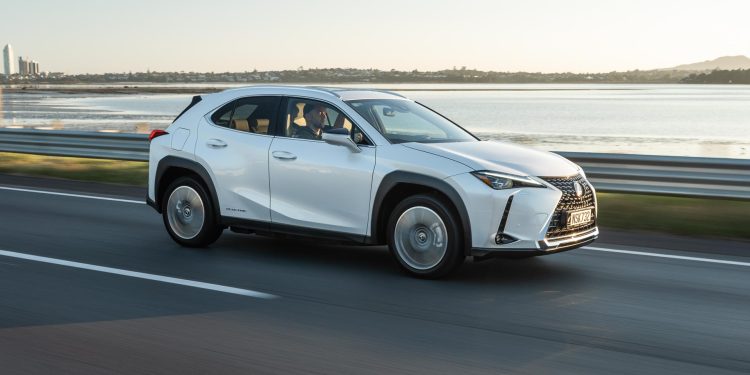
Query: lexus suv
x=363, y=166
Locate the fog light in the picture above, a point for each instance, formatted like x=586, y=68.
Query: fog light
x=502, y=238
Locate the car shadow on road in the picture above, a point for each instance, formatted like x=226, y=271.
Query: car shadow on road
x=333, y=258
x=528, y=271
x=302, y=252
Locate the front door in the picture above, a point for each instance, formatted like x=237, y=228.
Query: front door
x=316, y=185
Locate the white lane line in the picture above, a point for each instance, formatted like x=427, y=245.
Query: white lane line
x=658, y=255
x=139, y=275
x=72, y=195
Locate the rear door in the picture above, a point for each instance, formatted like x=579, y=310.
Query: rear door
x=233, y=142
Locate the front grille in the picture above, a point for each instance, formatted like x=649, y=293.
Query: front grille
x=569, y=202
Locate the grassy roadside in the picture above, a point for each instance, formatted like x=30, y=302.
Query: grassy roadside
x=683, y=216
x=676, y=215
x=98, y=170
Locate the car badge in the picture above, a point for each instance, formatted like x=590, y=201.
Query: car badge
x=579, y=189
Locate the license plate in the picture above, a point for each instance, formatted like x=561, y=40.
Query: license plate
x=580, y=217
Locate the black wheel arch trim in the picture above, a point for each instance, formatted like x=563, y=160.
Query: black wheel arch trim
x=176, y=162
x=391, y=180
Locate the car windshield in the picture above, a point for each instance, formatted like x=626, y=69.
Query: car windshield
x=406, y=121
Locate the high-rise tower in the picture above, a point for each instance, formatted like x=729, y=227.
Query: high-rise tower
x=8, y=59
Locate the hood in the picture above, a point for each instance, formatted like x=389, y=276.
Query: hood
x=501, y=157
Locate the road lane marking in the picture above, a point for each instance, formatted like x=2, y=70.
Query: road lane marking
x=658, y=255
x=72, y=195
x=139, y=275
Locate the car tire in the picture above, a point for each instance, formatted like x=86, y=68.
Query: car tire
x=188, y=214
x=424, y=237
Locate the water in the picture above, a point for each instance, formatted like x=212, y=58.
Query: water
x=691, y=120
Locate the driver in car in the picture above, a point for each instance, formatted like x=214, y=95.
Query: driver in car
x=316, y=117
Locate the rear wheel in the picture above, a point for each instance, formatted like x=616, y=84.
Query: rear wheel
x=188, y=214
x=424, y=237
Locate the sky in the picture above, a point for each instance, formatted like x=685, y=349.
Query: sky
x=80, y=36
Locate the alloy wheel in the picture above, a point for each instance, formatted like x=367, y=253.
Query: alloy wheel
x=421, y=238
x=185, y=212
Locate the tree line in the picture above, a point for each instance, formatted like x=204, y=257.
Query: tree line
x=351, y=75
x=738, y=76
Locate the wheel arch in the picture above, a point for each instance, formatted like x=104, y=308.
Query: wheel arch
x=171, y=168
x=398, y=185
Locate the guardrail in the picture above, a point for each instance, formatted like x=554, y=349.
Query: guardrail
x=666, y=175
x=622, y=173
x=101, y=145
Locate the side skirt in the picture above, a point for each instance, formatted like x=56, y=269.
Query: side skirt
x=293, y=231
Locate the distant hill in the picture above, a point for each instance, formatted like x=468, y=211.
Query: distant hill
x=722, y=63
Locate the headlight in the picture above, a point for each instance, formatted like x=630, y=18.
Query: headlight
x=499, y=181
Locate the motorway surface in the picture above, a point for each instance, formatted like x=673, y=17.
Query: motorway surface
x=342, y=309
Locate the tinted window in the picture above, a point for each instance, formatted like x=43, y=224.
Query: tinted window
x=252, y=114
x=308, y=119
x=223, y=115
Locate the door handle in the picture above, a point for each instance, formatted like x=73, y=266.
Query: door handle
x=216, y=143
x=283, y=155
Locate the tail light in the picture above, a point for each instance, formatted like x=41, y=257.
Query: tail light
x=156, y=133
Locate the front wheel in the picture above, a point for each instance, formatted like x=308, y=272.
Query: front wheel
x=424, y=237
x=188, y=214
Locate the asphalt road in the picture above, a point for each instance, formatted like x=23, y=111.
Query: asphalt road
x=341, y=309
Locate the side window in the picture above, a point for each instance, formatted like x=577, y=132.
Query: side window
x=223, y=115
x=252, y=114
x=308, y=119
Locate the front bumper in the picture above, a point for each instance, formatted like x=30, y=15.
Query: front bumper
x=528, y=221
x=544, y=247
x=568, y=242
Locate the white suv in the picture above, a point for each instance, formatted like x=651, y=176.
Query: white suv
x=364, y=166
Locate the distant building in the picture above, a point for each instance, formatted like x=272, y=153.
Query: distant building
x=8, y=59
x=27, y=67
x=23, y=66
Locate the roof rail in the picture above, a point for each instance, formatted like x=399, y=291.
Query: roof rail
x=388, y=92
x=329, y=90
x=333, y=90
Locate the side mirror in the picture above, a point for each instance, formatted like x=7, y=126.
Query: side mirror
x=340, y=137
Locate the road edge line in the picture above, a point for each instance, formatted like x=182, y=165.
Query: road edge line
x=72, y=195
x=659, y=255
x=139, y=275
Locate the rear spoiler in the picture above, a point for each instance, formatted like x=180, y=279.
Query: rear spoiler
x=196, y=100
